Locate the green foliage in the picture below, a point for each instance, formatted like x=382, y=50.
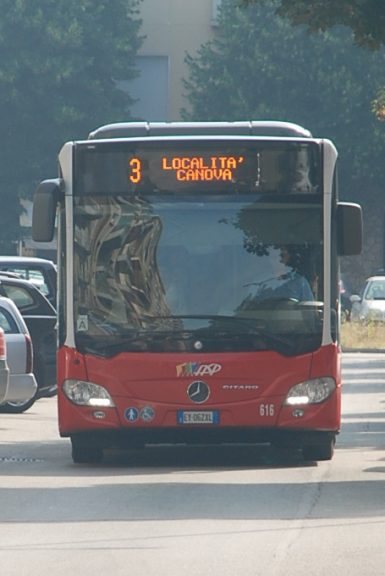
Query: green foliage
x=60, y=63
x=261, y=67
x=366, y=18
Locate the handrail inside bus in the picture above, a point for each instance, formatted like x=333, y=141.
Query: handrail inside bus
x=252, y=128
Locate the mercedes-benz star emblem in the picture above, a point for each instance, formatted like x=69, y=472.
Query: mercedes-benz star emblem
x=198, y=345
x=198, y=391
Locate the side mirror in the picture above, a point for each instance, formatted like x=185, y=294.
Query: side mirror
x=354, y=298
x=45, y=203
x=349, y=229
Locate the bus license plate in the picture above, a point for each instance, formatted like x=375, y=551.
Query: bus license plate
x=198, y=417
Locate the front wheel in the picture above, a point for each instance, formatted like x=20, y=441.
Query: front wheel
x=322, y=451
x=85, y=453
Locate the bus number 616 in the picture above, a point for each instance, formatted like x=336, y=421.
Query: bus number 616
x=266, y=410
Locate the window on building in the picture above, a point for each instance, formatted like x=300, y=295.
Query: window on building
x=150, y=89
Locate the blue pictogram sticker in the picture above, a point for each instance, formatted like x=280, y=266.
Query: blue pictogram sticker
x=147, y=414
x=131, y=414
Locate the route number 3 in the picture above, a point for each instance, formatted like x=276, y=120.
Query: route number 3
x=266, y=410
x=135, y=170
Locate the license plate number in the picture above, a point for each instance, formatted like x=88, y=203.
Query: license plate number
x=198, y=417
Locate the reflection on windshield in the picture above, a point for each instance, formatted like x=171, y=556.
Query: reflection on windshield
x=169, y=273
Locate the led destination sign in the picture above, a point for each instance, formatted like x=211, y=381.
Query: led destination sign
x=192, y=169
x=197, y=167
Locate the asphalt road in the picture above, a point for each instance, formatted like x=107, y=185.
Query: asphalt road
x=198, y=511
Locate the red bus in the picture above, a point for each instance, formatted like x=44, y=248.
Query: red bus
x=198, y=286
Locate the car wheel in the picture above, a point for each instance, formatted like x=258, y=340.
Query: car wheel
x=18, y=407
x=51, y=392
x=83, y=453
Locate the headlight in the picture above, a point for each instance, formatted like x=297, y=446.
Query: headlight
x=310, y=392
x=87, y=394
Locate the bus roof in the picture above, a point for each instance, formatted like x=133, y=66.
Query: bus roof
x=252, y=128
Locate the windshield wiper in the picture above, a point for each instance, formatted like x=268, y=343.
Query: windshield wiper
x=281, y=344
x=109, y=344
x=140, y=340
x=230, y=330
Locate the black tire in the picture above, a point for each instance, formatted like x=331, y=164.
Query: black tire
x=50, y=393
x=322, y=451
x=83, y=453
x=18, y=407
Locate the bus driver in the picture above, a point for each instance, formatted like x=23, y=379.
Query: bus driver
x=288, y=283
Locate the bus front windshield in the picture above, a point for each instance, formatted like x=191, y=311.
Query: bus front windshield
x=197, y=274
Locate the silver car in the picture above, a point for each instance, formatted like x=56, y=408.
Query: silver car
x=370, y=305
x=4, y=370
x=22, y=388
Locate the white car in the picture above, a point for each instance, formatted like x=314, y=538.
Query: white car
x=22, y=386
x=370, y=305
x=4, y=370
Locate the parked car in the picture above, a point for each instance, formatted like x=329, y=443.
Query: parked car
x=4, y=370
x=22, y=387
x=40, y=318
x=39, y=271
x=370, y=304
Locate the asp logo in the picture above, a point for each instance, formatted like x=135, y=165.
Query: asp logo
x=197, y=369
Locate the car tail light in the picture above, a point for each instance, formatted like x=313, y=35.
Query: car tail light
x=3, y=351
x=28, y=342
x=3, y=346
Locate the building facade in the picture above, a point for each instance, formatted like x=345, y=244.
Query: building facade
x=171, y=29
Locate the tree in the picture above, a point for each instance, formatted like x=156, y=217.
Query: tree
x=59, y=71
x=261, y=67
x=366, y=19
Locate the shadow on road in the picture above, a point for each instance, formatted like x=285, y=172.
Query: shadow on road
x=40, y=459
